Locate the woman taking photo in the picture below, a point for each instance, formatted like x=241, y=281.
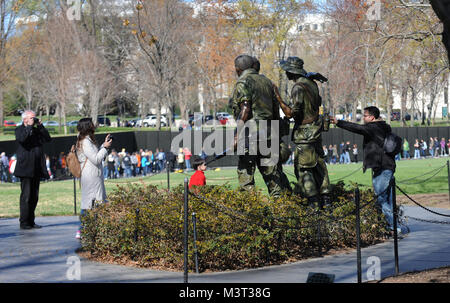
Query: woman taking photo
x=90, y=157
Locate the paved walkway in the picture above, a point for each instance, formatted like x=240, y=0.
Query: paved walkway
x=42, y=255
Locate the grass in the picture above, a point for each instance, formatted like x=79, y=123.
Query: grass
x=56, y=198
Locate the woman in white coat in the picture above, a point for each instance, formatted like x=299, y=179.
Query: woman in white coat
x=91, y=157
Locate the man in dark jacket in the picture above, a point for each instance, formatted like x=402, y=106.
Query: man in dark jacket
x=383, y=166
x=30, y=167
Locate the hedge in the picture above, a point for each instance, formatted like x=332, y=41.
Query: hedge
x=235, y=229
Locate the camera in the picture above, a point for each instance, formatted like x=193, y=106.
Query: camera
x=36, y=121
x=111, y=137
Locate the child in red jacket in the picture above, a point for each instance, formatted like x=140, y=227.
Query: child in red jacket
x=198, y=178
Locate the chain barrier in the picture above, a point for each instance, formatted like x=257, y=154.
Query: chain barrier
x=420, y=205
x=229, y=211
x=423, y=181
x=342, y=178
x=428, y=221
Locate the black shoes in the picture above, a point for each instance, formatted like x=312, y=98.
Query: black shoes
x=30, y=227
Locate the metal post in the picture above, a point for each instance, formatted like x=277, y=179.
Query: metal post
x=194, y=222
x=186, y=218
x=136, y=226
x=168, y=175
x=319, y=237
x=394, y=211
x=320, y=208
x=74, y=196
x=358, y=234
x=448, y=178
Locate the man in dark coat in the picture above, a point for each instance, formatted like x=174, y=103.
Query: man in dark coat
x=30, y=167
x=383, y=165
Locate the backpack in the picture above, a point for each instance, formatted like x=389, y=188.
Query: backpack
x=392, y=144
x=73, y=164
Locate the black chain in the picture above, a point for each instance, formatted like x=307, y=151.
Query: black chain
x=342, y=178
x=419, y=182
x=428, y=221
x=424, y=174
x=420, y=205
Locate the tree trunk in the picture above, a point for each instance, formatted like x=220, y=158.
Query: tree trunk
x=404, y=98
x=446, y=97
x=94, y=103
x=1, y=105
x=63, y=111
x=158, y=115
x=389, y=102
x=413, y=102
x=47, y=111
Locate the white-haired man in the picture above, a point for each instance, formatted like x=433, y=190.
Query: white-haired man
x=30, y=166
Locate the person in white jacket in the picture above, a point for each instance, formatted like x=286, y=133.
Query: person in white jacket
x=91, y=157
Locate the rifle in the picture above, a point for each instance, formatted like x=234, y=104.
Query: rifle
x=219, y=156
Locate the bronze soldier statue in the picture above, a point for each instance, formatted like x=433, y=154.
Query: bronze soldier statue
x=285, y=151
x=309, y=163
x=254, y=101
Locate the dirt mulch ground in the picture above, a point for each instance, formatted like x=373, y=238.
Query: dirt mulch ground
x=438, y=275
x=429, y=200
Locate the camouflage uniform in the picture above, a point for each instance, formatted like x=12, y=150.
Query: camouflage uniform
x=309, y=162
x=257, y=91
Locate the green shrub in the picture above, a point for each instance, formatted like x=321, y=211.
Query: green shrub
x=235, y=229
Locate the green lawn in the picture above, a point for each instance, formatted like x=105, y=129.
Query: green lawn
x=56, y=198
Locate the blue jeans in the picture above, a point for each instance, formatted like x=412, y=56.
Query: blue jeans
x=188, y=164
x=416, y=154
x=4, y=171
x=342, y=158
x=347, y=157
x=381, y=184
x=405, y=154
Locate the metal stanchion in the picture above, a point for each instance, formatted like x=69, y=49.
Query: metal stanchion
x=394, y=211
x=358, y=234
x=194, y=223
x=186, y=218
x=319, y=237
x=74, y=196
x=168, y=175
x=137, y=226
x=448, y=178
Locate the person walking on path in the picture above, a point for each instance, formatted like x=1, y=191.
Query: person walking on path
x=30, y=166
x=383, y=165
x=90, y=158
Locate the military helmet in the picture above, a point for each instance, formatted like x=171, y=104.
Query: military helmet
x=293, y=65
